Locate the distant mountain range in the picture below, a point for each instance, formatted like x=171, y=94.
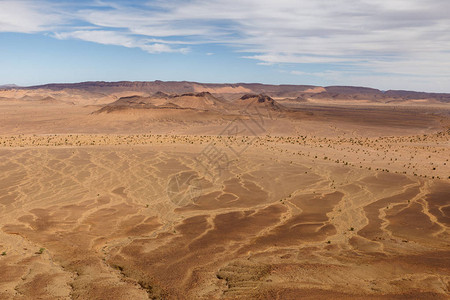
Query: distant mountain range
x=300, y=92
x=8, y=86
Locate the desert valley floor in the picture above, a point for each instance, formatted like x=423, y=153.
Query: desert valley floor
x=337, y=200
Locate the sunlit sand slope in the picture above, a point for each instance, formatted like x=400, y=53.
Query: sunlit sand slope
x=142, y=221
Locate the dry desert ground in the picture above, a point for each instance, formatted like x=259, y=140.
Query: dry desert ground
x=324, y=200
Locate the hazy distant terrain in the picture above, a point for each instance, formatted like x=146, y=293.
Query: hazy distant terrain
x=289, y=91
x=183, y=190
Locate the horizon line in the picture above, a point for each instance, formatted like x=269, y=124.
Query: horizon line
x=13, y=86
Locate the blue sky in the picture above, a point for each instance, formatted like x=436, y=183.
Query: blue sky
x=386, y=44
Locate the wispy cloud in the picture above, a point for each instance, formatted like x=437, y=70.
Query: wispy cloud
x=399, y=37
x=28, y=16
x=119, y=38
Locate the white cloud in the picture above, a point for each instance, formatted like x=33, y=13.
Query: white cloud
x=99, y=36
x=27, y=16
x=122, y=39
x=403, y=38
x=377, y=35
x=295, y=72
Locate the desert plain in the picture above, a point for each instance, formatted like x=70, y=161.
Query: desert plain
x=183, y=190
